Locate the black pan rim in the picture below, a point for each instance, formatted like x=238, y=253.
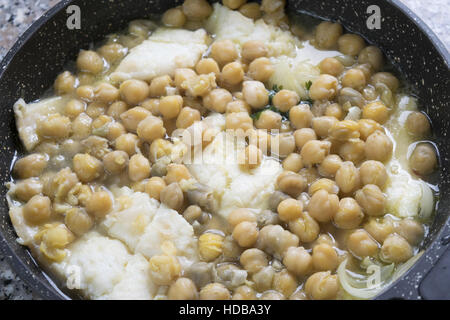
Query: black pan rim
x=48, y=290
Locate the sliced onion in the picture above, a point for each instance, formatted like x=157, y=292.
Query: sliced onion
x=426, y=202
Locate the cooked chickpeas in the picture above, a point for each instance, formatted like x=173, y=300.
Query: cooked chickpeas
x=373, y=56
x=293, y=162
x=224, y=51
x=151, y=128
x=238, y=120
x=268, y=120
x=261, y=69
x=172, y=196
x=352, y=150
x=323, y=125
x=417, y=124
x=138, y=168
x=323, y=205
x=254, y=49
x=105, y=92
x=240, y=215
x=298, y=261
x=174, y=17
x=349, y=215
x=214, y=291
x=232, y=73
x=134, y=91
x=376, y=111
x=291, y=183
x=251, y=10
x=87, y=167
x=371, y=199
x=89, y=61
x=25, y=189
x=207, y=66
x=183, y=289
x=285, y=282
x=322, y=286
x=314, y=152
x=154, y=186
x=255, y=94
x=170, y=106
x=323, y=184
x=327, y=34
x=38, y=209
x=246, y=234
x=354, y=78
x=85, y=92
x=347, y=177
x=30, y=166
x=305, y=228
x=78, y=221
x=244, y=293
x=324, y=257
x=411, y=230
x=301, y=116
x=217, y=100
x=330, y=165
x=210, y=246
x=112, y=52
x=115, y=161
x=361, y=244
x=323, y=88
x=187, y=117
x=74, y=107
x=133, y=117
x=275, y=240
x=302, y=136
x=423, y=159
x=196, y=9
x=378, y=147
x=164, y=269
x=367, y=127
x=396, y=249
x=379, y=228
x=158, y=86
x=331, y=66
x=99, y=204
x=350, y=44
x=386, y=78
x=64, y=83
x=253, y=260
x=55, y=126
x=284, y=100
x=373, y=172
x=289, y=209
x=127, y=142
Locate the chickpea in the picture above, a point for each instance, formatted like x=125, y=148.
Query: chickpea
x=396, y=249
x=376, y=111
x=174, y=17
x=240, y=215
x=352, y=150
x=74, y=107
x=138, y=168
x=323, y=184
x=196, y=10
x=330, y=165
x=350, y=44
x=361, y=244
x=85, y=92
x=164, y=269
x=106, y=93
x=385, y=78
x=293, y=162
x=289, y=209
x=373, y=56
x=334, y=110
x=170, y=106
x=159, y=148
x=367, y=127
x=350, y=96
x=172, y=196
x=314, y=152
x=30, y=166
x=371, y=199
x=246, y=234
x=55, y=237
x=64, y=83
x=112, y=52
x=327, y=34
x=323, y=88
x=268, y=120
x=253, y=260
x=331, y=66
x=214, y=291
x=89, y=61
x=423, y=159
x=411, y=230
x=54, y=126
x=251, y=10
x=210, y=246
x=238, y=120
x=134, y=91
x=323, y=206
x=261, y=69
x=379, y=228
x=207, y=66
x=38, y=209
x=344, y=130
x=347, y=177
x=275, y=240
x=349, y=215
x=87, y=167
x=25, y=189
x=176, y=173
x=99, y=204
x=151, y=128
x=291, y=183
x=224, y=51
x=217, y=100
x=378, y=147
x=322, y=286
x=127, y=142
x=324, y=257
x=244, y=293
x=255, y=94
x=284, y=100
x=232, y=73
x=417, y=124
x=254, y=49
x=251, y=157
x=183, y=289
x=116, y=109
x=373, y=172
x=302, y=136
x=272, y=295
x=78, y=221
x=96, y=109
x=301, y=116
x=158, y=86
x=306, y=228
x=354, y=78
x=298, y=261
x=115, y=161
x=285, y=282
x=154, y=186
x=323, y=125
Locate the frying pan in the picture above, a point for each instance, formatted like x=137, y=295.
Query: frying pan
x=416, y=53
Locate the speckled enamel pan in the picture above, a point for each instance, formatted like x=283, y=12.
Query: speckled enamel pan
x=417, y=54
